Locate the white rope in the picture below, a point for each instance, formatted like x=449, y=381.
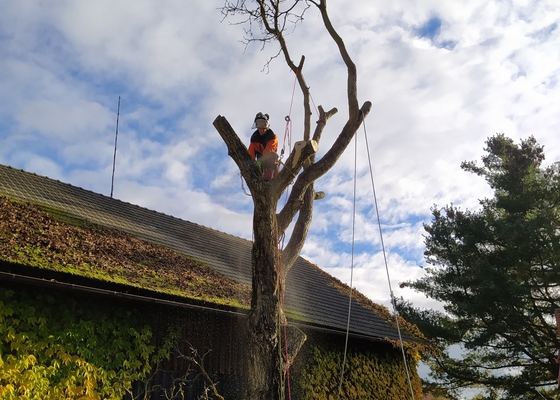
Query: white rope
x=393, y=303
x=351, y=268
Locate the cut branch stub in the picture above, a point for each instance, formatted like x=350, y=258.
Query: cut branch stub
x=298, y=149
x=302, y=151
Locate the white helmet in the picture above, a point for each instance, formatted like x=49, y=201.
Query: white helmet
x=261, y=121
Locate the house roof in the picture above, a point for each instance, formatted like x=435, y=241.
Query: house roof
x=311, y=294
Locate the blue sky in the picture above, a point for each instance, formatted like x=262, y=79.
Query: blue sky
x=442, y=77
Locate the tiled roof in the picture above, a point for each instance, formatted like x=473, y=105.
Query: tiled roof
x=310, y=293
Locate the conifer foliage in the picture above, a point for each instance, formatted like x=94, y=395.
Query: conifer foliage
x=497, y=272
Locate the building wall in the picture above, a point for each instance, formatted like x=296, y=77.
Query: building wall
x=207, y=340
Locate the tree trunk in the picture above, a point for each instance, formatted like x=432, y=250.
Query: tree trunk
x=264, y=369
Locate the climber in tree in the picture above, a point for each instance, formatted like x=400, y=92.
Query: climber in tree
x=263, y=146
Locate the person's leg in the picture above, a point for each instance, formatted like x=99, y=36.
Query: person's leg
x=269, y=162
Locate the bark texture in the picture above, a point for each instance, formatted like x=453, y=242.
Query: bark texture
x=267, y=361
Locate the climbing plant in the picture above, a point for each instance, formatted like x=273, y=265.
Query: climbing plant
x=368, y=376
x=54, y=347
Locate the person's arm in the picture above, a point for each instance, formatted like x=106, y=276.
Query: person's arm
x=251, y=150
x=272, y=145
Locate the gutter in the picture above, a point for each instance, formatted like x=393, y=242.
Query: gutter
x=9, y=276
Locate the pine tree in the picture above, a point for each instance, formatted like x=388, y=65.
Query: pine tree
x=497, y=272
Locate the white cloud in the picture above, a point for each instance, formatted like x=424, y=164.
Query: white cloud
x=491, y=67
x=64, y=121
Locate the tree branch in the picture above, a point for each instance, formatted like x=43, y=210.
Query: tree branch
x=352, y=81
x=296, y=199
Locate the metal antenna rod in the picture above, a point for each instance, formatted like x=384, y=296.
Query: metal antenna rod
x=115, y=153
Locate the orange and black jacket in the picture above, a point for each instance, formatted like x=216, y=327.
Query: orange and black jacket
x=260, y=145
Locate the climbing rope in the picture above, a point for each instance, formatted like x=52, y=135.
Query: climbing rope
x=288, y=119
x=351, y=269
x=393, y=302
x=284, y=324
x=243, y=185
x=282, y=286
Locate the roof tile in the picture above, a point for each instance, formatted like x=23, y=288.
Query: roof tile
x=309, y=292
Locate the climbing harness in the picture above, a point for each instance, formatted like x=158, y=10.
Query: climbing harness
x=393, y=302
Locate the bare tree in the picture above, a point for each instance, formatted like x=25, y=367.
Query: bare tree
x=268, y=21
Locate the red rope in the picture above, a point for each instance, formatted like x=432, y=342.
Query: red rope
x=288, y=137
x=282, y=291
x=288, y=130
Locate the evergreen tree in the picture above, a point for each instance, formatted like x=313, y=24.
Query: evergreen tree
x=497, y=272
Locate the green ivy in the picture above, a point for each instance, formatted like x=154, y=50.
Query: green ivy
x=54, y=347
x=367, y=376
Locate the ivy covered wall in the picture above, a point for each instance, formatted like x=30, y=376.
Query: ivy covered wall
x=55, y=347
x=372, y=372
x=64, y=345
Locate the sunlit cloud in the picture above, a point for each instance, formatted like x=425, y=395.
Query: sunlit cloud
x=442, y=78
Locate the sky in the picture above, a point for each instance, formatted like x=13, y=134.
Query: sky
x=442, y=78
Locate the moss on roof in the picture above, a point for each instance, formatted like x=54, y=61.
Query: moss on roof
x=421, y=343
x=48, y=238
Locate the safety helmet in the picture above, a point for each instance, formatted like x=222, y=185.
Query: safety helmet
x=261, y=121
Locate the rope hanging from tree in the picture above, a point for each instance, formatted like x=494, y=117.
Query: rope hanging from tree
x=393, y=303
x=351, y=268
x=284, y=334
